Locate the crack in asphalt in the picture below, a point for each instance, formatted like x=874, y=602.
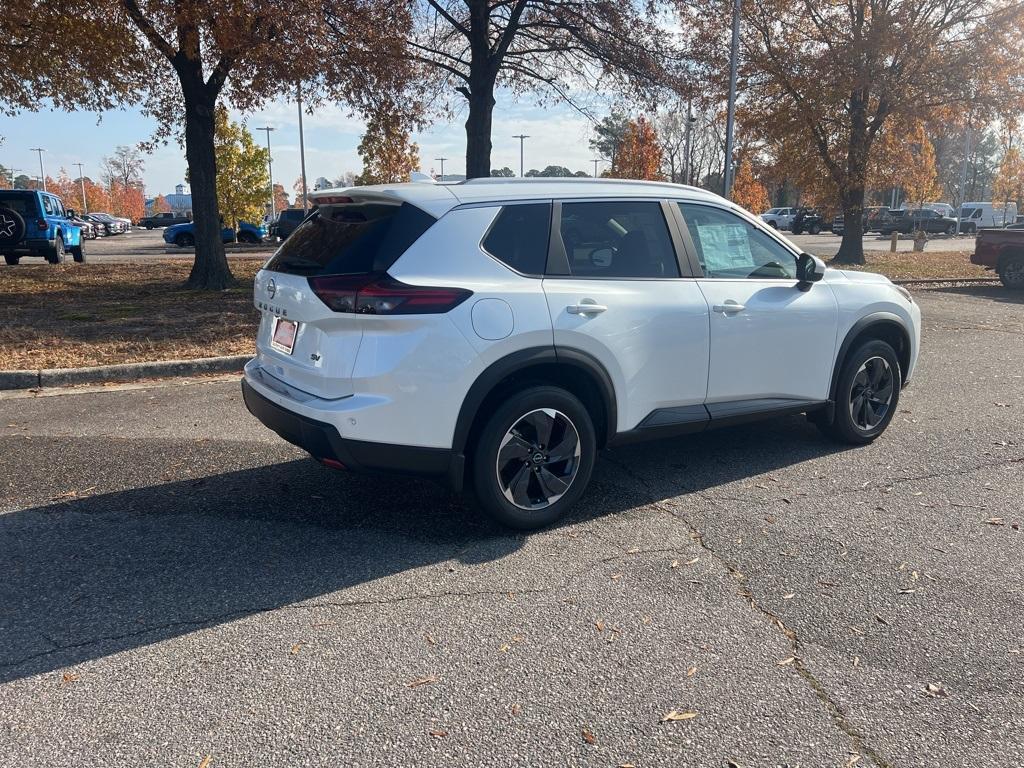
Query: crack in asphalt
x=835, y=712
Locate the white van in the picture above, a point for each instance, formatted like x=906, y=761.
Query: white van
x=974, y=216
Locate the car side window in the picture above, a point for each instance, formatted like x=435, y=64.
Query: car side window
x=518, y=237
x=47, y=205
x=731, y=247
x=616, y=239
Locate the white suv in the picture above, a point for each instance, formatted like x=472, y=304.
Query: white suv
x=497, y=333
x=779, y=218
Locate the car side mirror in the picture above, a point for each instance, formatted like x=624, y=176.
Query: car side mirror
x=70, y=213
x=809, y=269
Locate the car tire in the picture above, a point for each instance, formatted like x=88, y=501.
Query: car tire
x=149, y=226
x=184, y=240
x=773, y=225
x=516, y=480
x=56, y=255
x=78, y=253
x=867, y=394
x=248, y=237
x=815, y=229
x=1011, y=273
x=951, y=229
x=12, y=259
x=12, y=227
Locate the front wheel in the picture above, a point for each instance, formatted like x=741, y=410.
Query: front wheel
x=1012, y=273
x=534, y=457
x=78, y=253
x=867, y=394
x=184, y=240
x=815, y=229
x=951, y=229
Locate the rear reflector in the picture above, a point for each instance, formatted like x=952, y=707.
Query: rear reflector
x=332, y=463
x=41, y=225
x=381, y=294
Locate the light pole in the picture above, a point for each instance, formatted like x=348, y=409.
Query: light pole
x=270, y=170
x=42, y=173
x=595, y=161
x=302, y=147
x=441, y=159
x=963, y=176
x=690, y=121
x=521, y=137
x=731, y=118
x=81, y=180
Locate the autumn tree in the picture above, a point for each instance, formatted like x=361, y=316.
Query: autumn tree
x=160, y=205
x=1009, y=182
x=919, y=178
x=747, y=191
x=387, y=152
x=180, y=58
x=639, y=156
x=280, y=198
x=550, y=47
x=834, y=72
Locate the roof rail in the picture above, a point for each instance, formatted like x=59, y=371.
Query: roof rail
x=486, y=180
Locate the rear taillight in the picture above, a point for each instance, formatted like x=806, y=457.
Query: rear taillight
x=41, y=225
x=383, y=295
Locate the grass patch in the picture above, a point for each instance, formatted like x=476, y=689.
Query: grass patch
x=908, y=265
x=97, y=314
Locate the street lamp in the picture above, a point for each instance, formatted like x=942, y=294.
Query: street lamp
x=302, y=147
x=595, y=161
x=42, y=173
x=731, y=118
x=690, y=122
x=81, y=180
x=441, y=159
x=270, y=169
x=521, y=137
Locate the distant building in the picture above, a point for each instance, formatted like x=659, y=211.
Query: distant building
x=180, y=201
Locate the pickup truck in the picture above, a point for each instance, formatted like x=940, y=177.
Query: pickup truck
x=1001, y=250
x=163, y=220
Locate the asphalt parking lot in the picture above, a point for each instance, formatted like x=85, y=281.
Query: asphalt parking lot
x=181, y=588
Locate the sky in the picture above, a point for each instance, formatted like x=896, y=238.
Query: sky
x=559, y=135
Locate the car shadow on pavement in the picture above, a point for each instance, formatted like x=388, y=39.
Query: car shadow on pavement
x=91, y=577
x=991, y=291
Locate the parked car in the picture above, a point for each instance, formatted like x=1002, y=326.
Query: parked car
x=88, y=228
x=164, y=220
x=944, y=208
x=126, y=222
x=975, y=216
x=809, y=220
x=286, y=222
x=876, y=214
x=918, y=220
x=35, y=223
x=112, y=225
x=871, y=217
x=99, y=224
x=778, y=218
x=183, y=235
x=1002, y=250
x=497, y=333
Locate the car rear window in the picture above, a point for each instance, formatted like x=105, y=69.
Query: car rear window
x=518, y=238
x=19, y=202
x=351, y=238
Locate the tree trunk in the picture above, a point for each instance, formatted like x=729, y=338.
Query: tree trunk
x=854, y=182
x=210, y=269
x=851, y=250
x=478, y=131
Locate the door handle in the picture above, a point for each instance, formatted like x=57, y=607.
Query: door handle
x=730, y=307
x=586, y=307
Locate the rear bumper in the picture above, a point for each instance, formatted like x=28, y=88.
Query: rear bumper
x=32, y=247
x=323, y=441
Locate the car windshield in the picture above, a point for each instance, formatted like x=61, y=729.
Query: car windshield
x=966, y=213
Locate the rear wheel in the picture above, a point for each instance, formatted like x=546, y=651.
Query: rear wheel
x=815, y=229
x=1012, y=273
x=534, y=457
x=867, y=394
x=56, y=255
x=12, y=259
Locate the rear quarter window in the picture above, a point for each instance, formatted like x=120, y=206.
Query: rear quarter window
x=22, y=203
x=518, y=237
x=352, y=238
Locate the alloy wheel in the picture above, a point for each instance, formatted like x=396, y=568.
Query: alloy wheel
x=871, y=394
x=538, y=459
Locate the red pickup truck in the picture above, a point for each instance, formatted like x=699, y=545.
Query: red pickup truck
x=1003, y=251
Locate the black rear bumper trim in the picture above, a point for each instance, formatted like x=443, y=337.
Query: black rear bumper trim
x=323, y=441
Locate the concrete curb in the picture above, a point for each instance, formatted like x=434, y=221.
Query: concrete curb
x=101, y=374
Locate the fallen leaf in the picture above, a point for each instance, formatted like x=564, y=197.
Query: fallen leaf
x=856, y=661
x=691, y=672
x=632, y=550
x=599, y=625
x=505, y=648
x=516, y=709
x=673, y=716
x=295, y=648
x=616, y=576
x=69, y=677
x=206, y=761
x=785, y=661
x=994, y=521
x=438, y=733
x=854, y=759
x=430, y=639
x=588, y=736
x=880, y=620
x=693, y=562
x=421, y=681
x=789, y=596
x=675, y=564
x=935, y=690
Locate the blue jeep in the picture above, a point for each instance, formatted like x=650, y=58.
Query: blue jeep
x=183, y=235
x=35, y=223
